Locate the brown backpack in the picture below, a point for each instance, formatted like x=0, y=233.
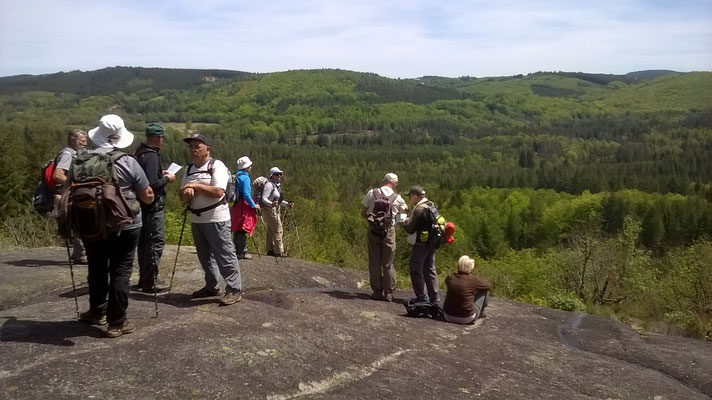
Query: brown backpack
x=92, y=205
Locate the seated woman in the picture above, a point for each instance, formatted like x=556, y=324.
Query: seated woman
x=466, y=296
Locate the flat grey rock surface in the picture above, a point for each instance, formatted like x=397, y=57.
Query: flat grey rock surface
x=309, y=330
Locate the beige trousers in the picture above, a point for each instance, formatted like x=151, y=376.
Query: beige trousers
x=274, y=230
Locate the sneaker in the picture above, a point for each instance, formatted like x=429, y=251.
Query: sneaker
x=92, y=317
x=82, y=260
x=283, y=255
x=230, y=298
x=116, y=330
x=270, y=253
x=244, y=256
x=376, y=296
x=425, y=299
x=137, y=287
x=388, y=297
x=161, y=286
x=205, y=292
x=435, y=300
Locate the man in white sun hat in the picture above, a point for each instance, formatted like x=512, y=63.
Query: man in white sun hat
x=111, y=259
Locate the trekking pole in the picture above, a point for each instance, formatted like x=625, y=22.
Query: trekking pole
x=153, y=262
x=296, y=231
x=71, y=272
x=180, y=240
x=254, y=242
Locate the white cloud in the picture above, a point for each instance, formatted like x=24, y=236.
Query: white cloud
x=392, y=38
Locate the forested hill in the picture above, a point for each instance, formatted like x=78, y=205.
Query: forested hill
x=573, y=189
x=116, y=79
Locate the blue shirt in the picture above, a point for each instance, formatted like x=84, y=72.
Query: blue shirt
x=244, y=187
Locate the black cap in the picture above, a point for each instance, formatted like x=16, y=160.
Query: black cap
x=199, y=137
x=416, y=190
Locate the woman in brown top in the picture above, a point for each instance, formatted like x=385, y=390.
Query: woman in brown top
x=466, y=297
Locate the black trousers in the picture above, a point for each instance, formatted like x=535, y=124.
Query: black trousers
x=110, y=264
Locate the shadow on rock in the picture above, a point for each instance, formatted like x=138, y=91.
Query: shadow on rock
x=32, y=263
x=180, y=300
x=349, y=295
x=56, y=333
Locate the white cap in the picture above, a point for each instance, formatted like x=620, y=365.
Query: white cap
x=275, y=170
x=243, y=162
x=391, y=177
x=111, y=133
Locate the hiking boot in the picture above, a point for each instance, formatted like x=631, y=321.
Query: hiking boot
x=92, y=317
x=244, y=256
x=205, y=292
x=388, y=297
x=116, y=330
x=137, y=287
x=270, y=253
x=82, y=260
x=376, y=296
x=160, y=286
x=230, y=298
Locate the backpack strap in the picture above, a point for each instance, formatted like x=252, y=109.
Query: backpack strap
x=199, y=211
x=209, y=171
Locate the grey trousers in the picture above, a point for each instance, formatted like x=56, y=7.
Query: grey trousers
x=216, y=253
x=381, y=271
x=150, y=246
x=78, y=251
x=422, y=272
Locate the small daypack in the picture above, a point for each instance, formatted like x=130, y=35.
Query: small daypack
x=380, y=219
x=423, y=309
x=258, y=186
x=231, y=189
x=92, y=204
x=42, y=197
x=435, y=236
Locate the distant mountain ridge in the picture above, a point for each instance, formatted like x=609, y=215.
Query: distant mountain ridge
x=115, y=79
x=131, y=79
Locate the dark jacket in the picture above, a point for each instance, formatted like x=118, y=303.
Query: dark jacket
x=420, y=221
x=460, y=297
x=149, y=158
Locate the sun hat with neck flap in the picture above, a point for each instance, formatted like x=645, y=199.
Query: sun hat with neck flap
x=111, y=133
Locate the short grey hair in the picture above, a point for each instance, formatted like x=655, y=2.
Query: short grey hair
x=74, y=134
x=466, y=264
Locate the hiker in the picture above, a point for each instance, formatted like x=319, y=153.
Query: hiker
x=76, y=139
x=203, y=189
x=243, y=213
x=466, y=296
x=111, y=259
x=422, y=256
x=381, y=235
x=152, y=239
x=271, y=203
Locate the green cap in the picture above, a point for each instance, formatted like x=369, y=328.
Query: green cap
x=154, y=129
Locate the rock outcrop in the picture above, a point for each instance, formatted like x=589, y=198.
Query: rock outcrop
x=309, y=330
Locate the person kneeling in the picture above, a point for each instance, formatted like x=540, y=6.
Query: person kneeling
x=466, y=296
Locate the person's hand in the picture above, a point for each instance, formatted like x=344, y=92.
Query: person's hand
x=188, y=193
x=257, y=207
x=290, y=204
x=170, y=176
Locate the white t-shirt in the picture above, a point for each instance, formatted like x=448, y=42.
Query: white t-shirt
x=219, y=178
x=399, y=205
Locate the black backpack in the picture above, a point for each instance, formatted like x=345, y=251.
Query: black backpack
x=42, y=197
x=380, y=219
x=92, y=204
x=423, y=309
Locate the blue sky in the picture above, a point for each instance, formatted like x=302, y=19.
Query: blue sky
x=392, y=38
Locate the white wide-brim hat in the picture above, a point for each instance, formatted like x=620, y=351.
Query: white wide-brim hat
x=111, y=132
x=275, y=170
x=244, y=162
